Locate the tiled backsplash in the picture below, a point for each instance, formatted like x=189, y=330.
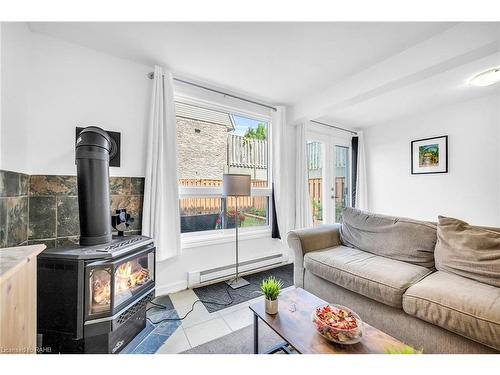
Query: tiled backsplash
x=14, y=190
x=50, y=214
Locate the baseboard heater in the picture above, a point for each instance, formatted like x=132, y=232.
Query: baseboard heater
x=213, y=275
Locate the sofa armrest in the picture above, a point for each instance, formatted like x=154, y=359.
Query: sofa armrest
x=305, y=240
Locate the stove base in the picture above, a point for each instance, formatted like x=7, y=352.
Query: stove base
x=103, y=337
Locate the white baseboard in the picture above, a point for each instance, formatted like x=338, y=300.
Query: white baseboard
x=225, y=272
x=180, y=285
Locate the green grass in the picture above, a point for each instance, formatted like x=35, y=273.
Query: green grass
x=252, y=222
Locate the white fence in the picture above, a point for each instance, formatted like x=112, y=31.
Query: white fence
x=246, y=153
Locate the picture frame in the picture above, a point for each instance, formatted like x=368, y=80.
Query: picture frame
x=429, y=155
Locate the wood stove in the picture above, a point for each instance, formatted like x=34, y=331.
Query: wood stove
x=92, y=299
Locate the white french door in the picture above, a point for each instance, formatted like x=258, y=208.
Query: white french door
x=329, y=173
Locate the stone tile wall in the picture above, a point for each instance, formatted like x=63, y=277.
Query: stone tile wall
x=48, y=210
x=14, y=190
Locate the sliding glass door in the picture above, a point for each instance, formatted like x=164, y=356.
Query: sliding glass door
x=329, y=173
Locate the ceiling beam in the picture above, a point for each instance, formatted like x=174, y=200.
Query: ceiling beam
x=447, y=50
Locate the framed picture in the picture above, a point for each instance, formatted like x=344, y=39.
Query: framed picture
x=429, y=155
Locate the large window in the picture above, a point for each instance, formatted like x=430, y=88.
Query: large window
x=210, y=143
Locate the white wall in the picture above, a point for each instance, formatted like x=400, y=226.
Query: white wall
x=51, y=86
x=15, y=72
x=471, y=189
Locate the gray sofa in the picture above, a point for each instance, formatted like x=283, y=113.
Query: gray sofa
x=384, y=269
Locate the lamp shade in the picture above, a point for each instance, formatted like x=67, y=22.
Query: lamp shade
x=235, y=185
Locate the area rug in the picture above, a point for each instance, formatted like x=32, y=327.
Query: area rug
x=239, y=342
x=222, y=294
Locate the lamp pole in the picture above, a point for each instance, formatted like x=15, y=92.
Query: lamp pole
x=236, y=227
x=236, y=185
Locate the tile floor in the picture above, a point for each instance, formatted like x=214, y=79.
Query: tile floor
x=156, y=333
x=201, y=326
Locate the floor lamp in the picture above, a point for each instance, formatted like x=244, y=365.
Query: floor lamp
x=236, y=185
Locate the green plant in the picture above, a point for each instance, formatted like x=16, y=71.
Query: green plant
x=317, y=209
x=271, y=287
x=404, y=350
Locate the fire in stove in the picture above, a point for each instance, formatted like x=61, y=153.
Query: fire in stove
x=101, y=289
x=128, y=277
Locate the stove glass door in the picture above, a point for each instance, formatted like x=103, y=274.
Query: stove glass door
x=131, y=275
x=100, y=290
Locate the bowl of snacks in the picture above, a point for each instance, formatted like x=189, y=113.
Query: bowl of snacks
x=338, y=324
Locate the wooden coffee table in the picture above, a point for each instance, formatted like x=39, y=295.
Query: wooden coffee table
x=293, y=324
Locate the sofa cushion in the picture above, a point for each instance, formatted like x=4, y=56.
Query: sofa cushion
x=468, y=251
x=393, y=237
x=466, y=307
x=382, y=279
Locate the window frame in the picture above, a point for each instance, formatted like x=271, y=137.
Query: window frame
x=217, y=236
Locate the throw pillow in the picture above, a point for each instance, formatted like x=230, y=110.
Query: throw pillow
x=469, y=251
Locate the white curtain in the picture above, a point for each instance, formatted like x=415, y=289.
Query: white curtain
x=361, y=186
x=161, y=197
x=303, y=211
x=281, y=170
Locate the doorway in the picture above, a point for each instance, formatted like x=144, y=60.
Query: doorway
x=329, y=174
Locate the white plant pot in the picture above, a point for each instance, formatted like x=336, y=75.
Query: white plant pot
x=271, y=306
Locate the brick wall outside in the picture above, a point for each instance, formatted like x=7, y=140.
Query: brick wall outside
x=201, y=154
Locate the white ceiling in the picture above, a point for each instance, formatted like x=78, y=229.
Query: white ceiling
x=279, y=62
x=316, y=67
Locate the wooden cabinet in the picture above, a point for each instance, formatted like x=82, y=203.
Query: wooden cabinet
x=18, y=299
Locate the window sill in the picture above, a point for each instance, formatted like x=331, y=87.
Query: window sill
x=190, y=240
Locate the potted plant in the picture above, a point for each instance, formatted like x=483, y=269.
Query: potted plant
x=271, y=287
x=402, y=350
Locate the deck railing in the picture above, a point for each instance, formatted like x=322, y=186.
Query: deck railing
x=246, y=153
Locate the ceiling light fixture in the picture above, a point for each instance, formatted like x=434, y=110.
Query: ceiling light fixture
x=486, y=78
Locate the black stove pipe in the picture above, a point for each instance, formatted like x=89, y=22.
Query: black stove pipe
x=92, y=168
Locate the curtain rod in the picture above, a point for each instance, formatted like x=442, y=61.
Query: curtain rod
x=335, y=127
x=151, y=76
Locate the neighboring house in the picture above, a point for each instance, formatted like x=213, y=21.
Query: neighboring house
x=202, y=142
